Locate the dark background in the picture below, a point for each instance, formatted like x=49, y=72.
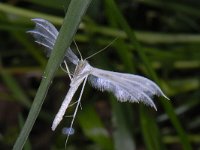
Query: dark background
x=168, y=32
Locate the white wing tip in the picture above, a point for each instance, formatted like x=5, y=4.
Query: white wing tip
x=30, y=31
x=154, y=106
x=166, y=97
x=150, y=103
x=38, y=20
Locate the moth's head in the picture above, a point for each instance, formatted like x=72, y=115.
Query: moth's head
x=82, y=70
x=82, y=63
x=82, y=67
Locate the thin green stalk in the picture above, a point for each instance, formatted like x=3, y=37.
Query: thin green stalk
x=150, y=130
x=176, y=6
x=170, y=139
x=71, y=22
x=31, y=14
x=28, y=47
x=28, y=13
x=147, y=37
x=27, y=146
x=15, y=88
x=122, y=134
x=94, y=129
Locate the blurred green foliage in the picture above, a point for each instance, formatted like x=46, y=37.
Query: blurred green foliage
x=158, y=39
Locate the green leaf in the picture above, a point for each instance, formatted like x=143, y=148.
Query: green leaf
x=94, y=128
x=15, y=88
x=122, y=134
x=150, y=130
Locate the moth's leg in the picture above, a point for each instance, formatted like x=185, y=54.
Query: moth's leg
x=69, y=116
x=76, y=109
x=74, y=104
x=78, y=49
x=68, y=72
x=66, y=69
x=63, y=69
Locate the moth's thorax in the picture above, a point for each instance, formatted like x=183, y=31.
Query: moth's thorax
x=82, y=67
x=82, y=70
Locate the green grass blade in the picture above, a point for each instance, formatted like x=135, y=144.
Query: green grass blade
x=176, y=6
x=27, y=146
x=15, y=88
x=150, y=130
x=28, y=13
x=50, y=3
x=29, y=47
x=94, y=128
x=122, y=135
x=71, y=22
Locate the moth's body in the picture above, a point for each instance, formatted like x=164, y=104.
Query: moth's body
x=81, y=72
x=125, y=87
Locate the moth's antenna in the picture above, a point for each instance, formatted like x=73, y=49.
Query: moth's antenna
x=78, y=50
x=102, y=49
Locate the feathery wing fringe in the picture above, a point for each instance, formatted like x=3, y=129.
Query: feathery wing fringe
x=126, y=87
x=46, y=34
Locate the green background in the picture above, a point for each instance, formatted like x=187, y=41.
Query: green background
x=158, y=39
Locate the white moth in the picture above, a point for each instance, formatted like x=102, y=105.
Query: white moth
x=125, y=87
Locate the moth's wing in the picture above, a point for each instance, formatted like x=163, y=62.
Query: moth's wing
x=46, y=34
x=71, y=57
x=126, y=87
